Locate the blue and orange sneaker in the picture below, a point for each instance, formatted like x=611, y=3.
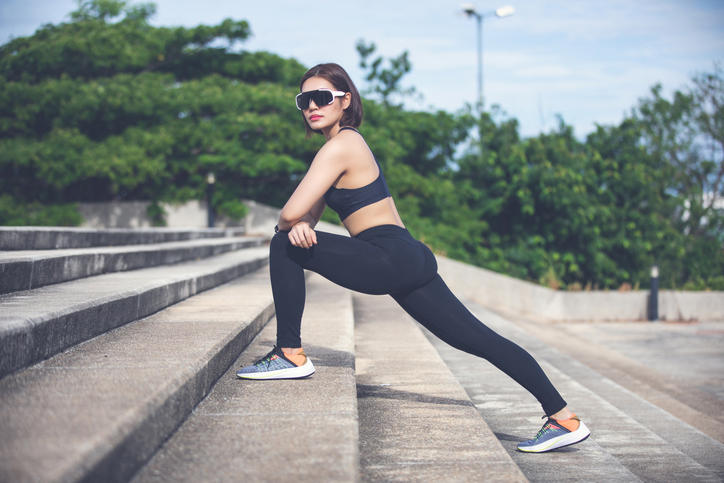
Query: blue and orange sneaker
x=275, y=365
x=556, y=434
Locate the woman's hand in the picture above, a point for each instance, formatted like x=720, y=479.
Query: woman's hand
x=302, y=235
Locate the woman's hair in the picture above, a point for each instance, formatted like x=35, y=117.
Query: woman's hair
x=337, y=76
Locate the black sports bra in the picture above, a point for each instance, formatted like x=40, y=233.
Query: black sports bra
x=346, y=201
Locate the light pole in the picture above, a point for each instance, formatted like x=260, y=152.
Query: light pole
x=470, y=11
x=654, y=295
x=210, y=181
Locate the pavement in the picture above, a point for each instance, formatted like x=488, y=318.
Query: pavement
x=676, y=366
x=688, y=353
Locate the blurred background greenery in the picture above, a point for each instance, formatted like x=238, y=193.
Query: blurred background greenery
x=107, y=107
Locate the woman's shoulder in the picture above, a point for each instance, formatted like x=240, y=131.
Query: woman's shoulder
x=346, y=142
x=348, y=133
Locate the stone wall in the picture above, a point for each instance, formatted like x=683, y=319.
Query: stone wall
x=525, y=299
x=193, y=214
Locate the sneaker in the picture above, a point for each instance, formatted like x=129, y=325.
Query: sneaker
x=556, y=434
x=275, y=365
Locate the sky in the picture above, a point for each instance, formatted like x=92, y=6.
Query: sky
x=586, y=61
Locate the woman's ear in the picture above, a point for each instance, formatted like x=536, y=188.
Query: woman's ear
x=346, y=100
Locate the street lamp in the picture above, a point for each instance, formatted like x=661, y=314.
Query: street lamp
x=210, y=181
x=470, y=11
x=654, y=294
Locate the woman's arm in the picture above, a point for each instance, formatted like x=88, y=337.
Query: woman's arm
x=307, y=200
x=314, y=214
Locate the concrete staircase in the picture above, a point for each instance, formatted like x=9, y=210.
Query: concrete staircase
x=117, y=363
x=632, y=439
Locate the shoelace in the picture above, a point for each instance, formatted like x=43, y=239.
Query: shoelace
x=546, y=427
x=266, y=359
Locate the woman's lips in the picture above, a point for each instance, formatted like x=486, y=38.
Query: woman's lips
x=314, y=117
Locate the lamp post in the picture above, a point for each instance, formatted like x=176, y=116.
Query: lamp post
x=654, y=295
x=470, y=11
x=210, y=181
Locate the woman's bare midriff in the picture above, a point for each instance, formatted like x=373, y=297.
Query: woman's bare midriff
x=383, y=212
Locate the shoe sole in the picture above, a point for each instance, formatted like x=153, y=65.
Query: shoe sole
x=581, y=434
x=299, y=372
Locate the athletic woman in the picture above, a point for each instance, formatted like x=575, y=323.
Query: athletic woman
x=380, y=257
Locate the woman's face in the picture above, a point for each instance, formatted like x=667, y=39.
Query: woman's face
x=324, y=118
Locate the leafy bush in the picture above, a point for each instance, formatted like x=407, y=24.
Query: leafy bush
x=13, y=213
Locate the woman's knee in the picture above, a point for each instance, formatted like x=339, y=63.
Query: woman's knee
x=280, y=239
x=279, y=243
x=281, y=247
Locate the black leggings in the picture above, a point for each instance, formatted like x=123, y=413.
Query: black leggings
x=386, y=259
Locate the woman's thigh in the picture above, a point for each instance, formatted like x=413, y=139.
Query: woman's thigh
x=350, y=262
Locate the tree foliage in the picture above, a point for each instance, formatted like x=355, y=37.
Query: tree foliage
x=107, y=107
x=685, y=135
x=384, y=81
x=95, y=110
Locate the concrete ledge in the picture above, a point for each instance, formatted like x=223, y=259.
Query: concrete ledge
x=134, y=214
x=680, y=305
x=98, y=411
x=49, y=238
x=289, y=430
x=25, y=270
x=260, y=218
x=525, y=299
x=38, y=323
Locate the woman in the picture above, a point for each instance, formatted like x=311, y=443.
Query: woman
x=380, y=257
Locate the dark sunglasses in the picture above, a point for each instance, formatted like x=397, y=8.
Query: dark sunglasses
x=321, y=97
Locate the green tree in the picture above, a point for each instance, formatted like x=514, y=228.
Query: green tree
x=634, y=218
x=108, y=107
x=94, y=110
x=384, y=81
x=686, y=137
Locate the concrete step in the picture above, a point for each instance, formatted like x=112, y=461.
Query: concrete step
x=678, y=367
x=288, y=430
x=416, y=422
x=28, y=269
x=38, y=323
x=98, y=411
x=48, y=238
x=682, y=437
x=631, y=438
